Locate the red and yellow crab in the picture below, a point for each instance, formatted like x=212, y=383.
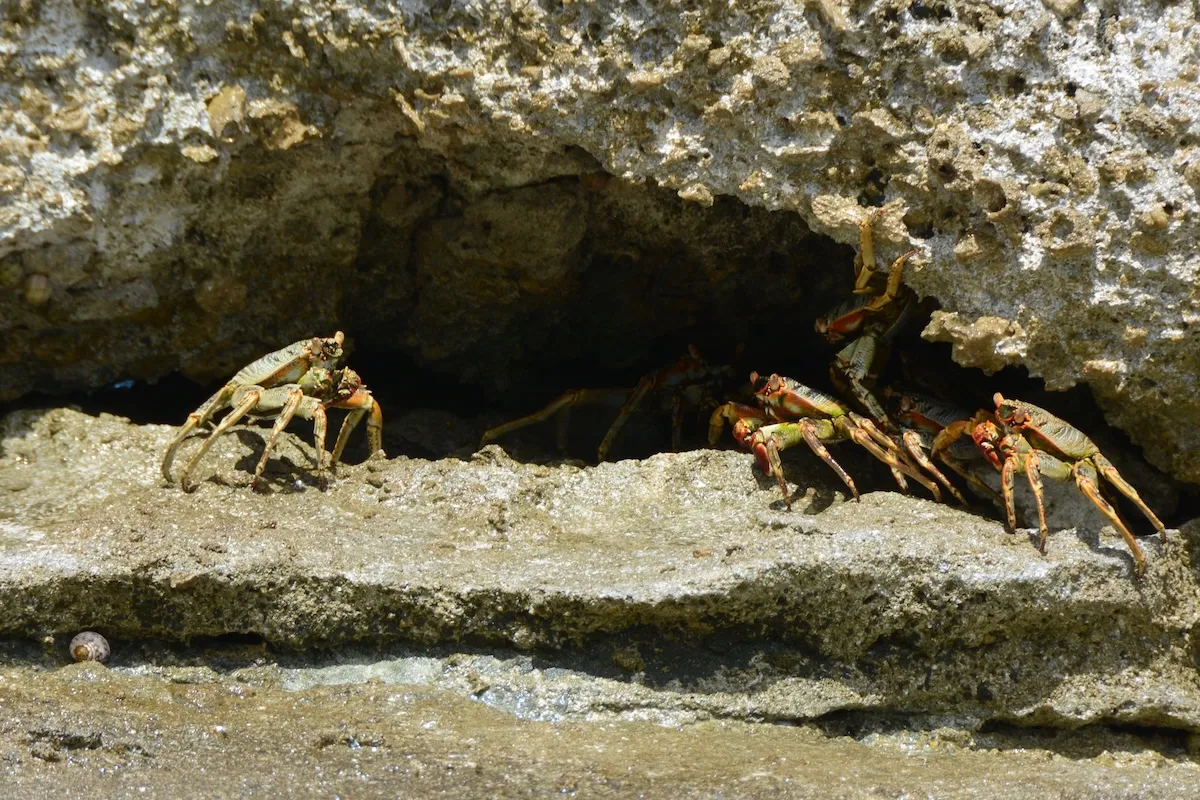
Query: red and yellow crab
x=921, y=419
x=869, y=320
x=792, y=413
x=1019, y=437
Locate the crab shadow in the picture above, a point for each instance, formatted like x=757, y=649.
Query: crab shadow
x=291, y=469
x=1089, y=535
x=1087, y=531
x=282, y=474
x=816, y=486
x=1069, y=512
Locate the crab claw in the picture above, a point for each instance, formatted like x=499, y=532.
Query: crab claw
x=987, y=436
x=761, y=458
x=743, y=433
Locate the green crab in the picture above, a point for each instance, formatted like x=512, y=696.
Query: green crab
x=792, y=413
x=871, y=319
x=302, y=380
x=1019, y=437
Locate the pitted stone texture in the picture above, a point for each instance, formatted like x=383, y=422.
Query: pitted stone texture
x=681, y=567
x=202, y=174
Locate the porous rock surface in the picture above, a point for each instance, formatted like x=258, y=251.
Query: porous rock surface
x=678, y=579
x=185, y=183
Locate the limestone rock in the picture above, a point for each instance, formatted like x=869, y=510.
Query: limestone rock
x=895, y=605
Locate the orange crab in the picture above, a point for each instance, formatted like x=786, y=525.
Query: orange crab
x=792, y=413
x=1019, y=437
x=685, y=384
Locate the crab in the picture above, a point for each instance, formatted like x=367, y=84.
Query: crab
x=300, y=379
x=791, y=413
x=921, y=418
x=1019, y=437
x=686, y=384
x=870, y=320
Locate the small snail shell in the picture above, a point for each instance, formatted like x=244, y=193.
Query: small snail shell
x=90, y=646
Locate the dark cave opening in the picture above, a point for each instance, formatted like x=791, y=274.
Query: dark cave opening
x=432, y=415
x=649, y=276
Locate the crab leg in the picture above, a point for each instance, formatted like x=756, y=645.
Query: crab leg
x=635, y=398
x=912, y=444
x=294, y=395
x=1033, y=464
x=308, y=408
x=362, y=404
x=1007, y=478
x=676, y=423
x=864, y=433
x=249, y=400
x=197, y=418
x=854, y=366
x=863, y=436
x=970, y=477
x=1087, y=480
x=1033, y=474
x=311, y=408
x=864, y=263
x=690, y=369
x=1110, y=472
x=895, y=276
x=349, y=424
x=1038, y=464
x=902, y=320
x=560, y=403
x=780, y=436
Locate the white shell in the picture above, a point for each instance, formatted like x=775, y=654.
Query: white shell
x=90, y=646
